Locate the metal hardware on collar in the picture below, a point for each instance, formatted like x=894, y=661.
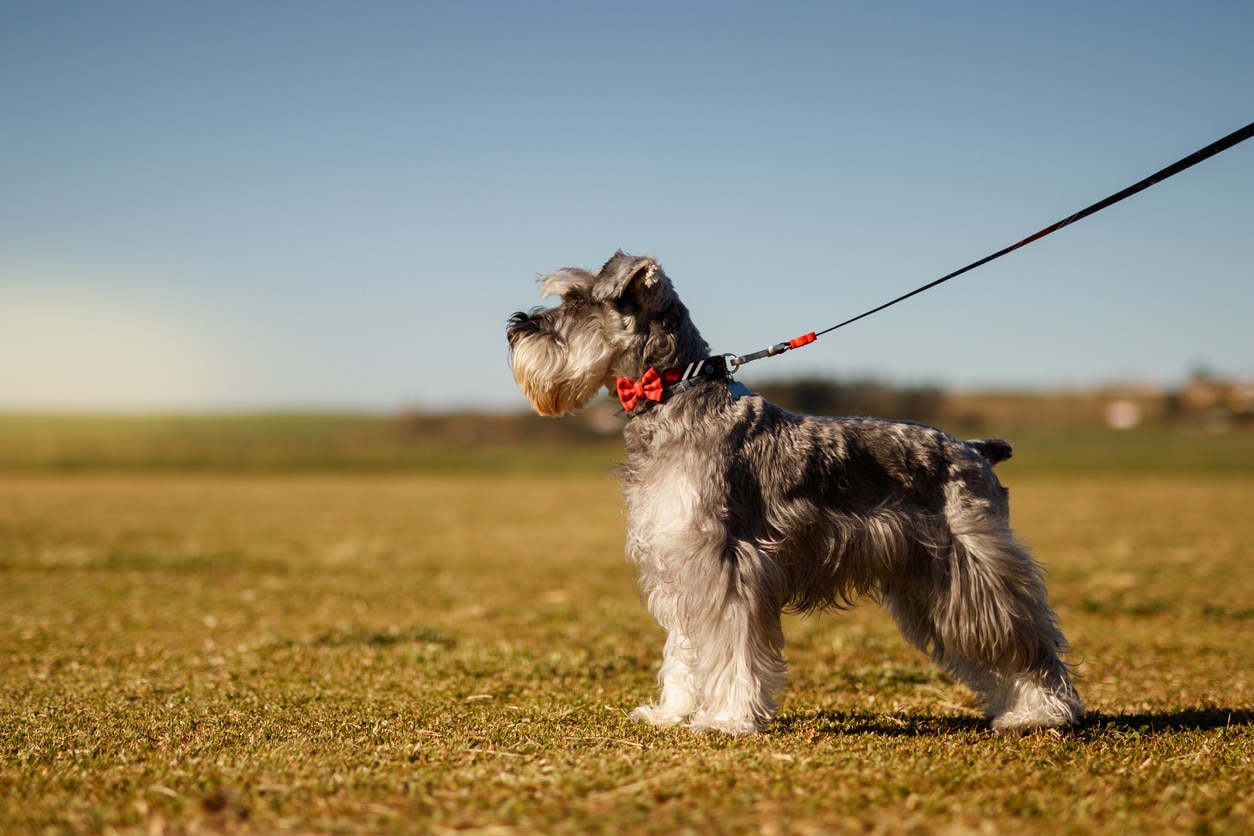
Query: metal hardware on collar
x=711, y=368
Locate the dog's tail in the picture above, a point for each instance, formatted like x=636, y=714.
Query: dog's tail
x=994, y=449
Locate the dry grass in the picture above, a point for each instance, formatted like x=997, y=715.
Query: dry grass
x=437, y=652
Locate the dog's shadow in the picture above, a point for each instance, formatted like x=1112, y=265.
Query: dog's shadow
x=1097, y=723
x=1093, y=725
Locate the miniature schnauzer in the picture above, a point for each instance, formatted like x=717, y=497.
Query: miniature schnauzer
x=739, y=511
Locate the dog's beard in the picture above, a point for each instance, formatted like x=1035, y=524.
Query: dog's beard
x=559, y=380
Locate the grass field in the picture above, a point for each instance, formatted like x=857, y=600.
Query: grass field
x=447, y=649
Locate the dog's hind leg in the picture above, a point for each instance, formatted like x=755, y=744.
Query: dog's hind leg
x=984, y=616
x=1013, y=650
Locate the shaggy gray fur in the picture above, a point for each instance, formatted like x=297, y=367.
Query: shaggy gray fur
x=739, y=510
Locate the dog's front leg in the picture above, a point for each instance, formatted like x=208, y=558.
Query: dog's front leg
x=740, y=668
x=723, y=666
x=677, y=700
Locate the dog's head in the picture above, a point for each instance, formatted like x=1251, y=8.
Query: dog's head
x=615, y=322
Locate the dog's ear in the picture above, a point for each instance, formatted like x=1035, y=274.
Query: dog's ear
x=640, y=277
x=564, y=281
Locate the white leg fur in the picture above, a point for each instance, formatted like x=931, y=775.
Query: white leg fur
x=741, y=672
x=1032, y=701
x=677, y=700
x=723, y=667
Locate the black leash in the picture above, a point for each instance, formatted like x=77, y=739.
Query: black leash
x=1175, y=168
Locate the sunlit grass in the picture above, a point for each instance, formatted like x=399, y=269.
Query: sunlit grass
x=397, y=652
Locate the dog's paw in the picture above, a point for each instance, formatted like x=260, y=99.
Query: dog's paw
x=737, y=727
x=1031, y=706
x=656, y=715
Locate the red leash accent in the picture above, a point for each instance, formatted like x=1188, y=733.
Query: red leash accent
x=804, y=339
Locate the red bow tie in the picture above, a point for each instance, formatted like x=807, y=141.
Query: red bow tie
x=649, y=386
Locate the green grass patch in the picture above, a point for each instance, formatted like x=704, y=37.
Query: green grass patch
x=1147, y=451
x=509, y=444
x=298, y=442
x=400, y=652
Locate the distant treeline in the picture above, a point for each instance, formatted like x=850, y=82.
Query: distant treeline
x=857, y=397
x=1208, y=425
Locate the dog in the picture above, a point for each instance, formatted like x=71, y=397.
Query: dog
x=739, y=511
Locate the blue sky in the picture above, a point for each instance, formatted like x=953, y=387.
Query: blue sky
x=280, y=205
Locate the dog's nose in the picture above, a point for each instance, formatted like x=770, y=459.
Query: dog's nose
x=521, y=323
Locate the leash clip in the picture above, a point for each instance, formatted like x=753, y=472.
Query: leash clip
x=771, y=351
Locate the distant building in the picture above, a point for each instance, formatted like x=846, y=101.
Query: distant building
x=1211, y=404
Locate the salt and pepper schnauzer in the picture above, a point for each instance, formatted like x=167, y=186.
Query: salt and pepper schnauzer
x=739, y=510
